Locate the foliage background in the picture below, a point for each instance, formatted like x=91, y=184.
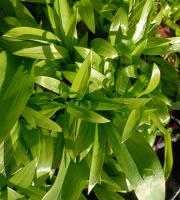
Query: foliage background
x=86, y=88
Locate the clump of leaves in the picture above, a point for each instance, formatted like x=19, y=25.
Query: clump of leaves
x=84, y=93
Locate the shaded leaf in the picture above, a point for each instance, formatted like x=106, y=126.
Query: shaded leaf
x=34, y=34
x=76, y=174
x=52, y=84
x=44, y=52
x=103, y=48
x=24, y=177
x=143, y=170
x=81, y=80
x=87, y=14
x=15, y=91
x=132, y=124
x=97, y=158
x=36, y=118
x=85, y=114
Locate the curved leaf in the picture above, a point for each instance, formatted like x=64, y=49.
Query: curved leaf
x=32, y=34
x=85, y=114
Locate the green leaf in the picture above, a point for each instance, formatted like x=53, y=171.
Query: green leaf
x=36, y=118
x=103, y=103
x=143, y=170
x=97, y=158
x=176, y=105
x=13, y=195
x=6, y=152
x=71, y=33
x=87, y=14
x=61, y=16
x=96, y=59
x=118, y=29
x=32, y=34
x=81, y=80
x=103, y=48
x=85, y=114
x=69, y=172
x=104, y=194
x=136, y=53
x=15, y=91
x=41, y=146
x=144, y=22
x=39, y=1
x=23, y=14
x=44, y=52
x=99, y=6
x=154, y=81
x=132, y=124
x=52, y=84
x=24, y=177
x=168, y=156
x=161, y=46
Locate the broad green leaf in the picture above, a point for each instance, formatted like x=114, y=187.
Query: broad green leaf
x=34, y=193
x=118, y=29
x=13, y=195
x=129, y=71
x=99, y=6
x=24, y=177
x=39, y=1
x=100, y=79
x=7, y=148
x=88, y=141
x=40, y=144
x=15, y=91
x=32, y=34
x=81, y=80
x=136, y=53
x=61, y=16
x=96, y=59
x=103, y=48
x=87, y=14
x=82, y=197
x=97, y=158
x=83, y=131
x=144, y=22
x=143, y=170
x=23, y=14
x=168, y=156
x=71, y=33
x=132, y=103
x=104, y=194
x=103, y=103
x=36, y=118
x=176, y=105
x=20, y=154
x=85, y=114
x=52, y=84
x=12, y=45
x=161, y=46
x=161, y=109
x=44, y=52
x=69, y=131
x=69, y=172
x=154, y=81
x=132, y=124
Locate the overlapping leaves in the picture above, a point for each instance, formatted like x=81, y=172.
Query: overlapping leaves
x=80, y=100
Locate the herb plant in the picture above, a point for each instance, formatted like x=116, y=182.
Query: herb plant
x=85, y=91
